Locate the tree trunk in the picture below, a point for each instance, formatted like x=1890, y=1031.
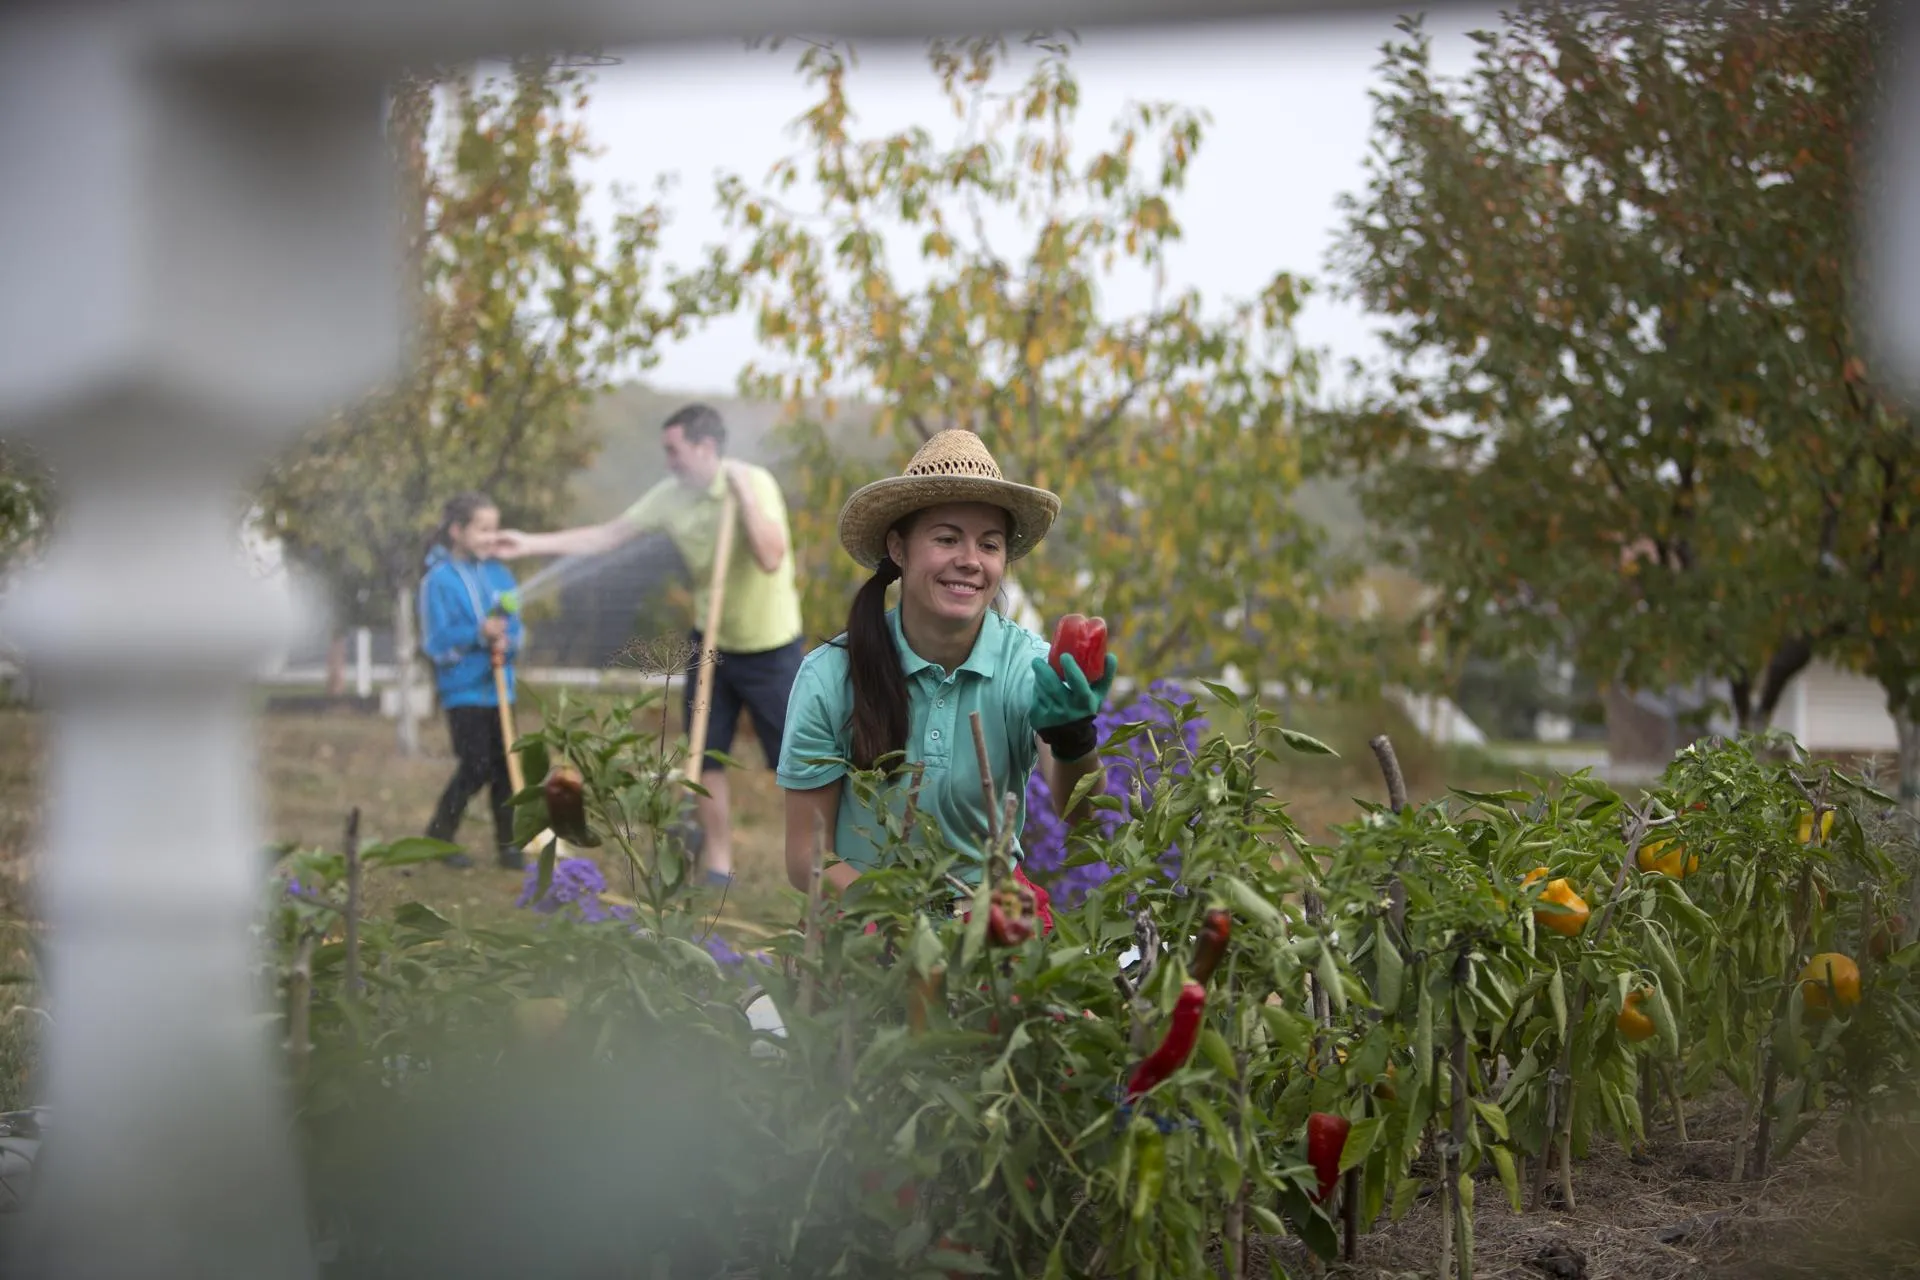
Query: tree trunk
x=337, y=665
x=405, y=647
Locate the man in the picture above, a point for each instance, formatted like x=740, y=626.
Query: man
x=758, y=646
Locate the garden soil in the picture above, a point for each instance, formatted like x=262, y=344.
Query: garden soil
x=1668, y=1213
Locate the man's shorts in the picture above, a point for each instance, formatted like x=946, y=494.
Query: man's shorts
x=760, y=682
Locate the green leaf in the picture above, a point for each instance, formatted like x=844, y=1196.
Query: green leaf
x=975, y=937
x=1663, y=1020
x=1306, y=744
x=1250, y=903
x=1389, y=970
x=408, y=851
x=1493, y=1117
x=1405, y=1192
x=1360, y=1141
x=1557, y=995
x=1328, y=974
x=1214, y=1046
x=422, y=918
x=1509, y=1175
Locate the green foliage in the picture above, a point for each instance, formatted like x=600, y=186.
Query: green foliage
x=522, y=313
x=1168, y=433
x=937, y=1104
x=1628, y=412
x=25, y=503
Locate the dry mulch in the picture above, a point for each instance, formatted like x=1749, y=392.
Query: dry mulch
x=1668, y=1213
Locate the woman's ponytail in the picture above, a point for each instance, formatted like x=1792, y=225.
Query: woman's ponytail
x=878, y=723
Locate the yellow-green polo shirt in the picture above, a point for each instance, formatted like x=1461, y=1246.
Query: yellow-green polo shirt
x=996, y=680
x=760, y=610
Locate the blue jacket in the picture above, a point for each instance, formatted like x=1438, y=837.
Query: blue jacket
x=455, y=598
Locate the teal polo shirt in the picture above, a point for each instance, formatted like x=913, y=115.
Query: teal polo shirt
x=996, y=680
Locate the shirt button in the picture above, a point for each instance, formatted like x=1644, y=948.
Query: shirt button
x=935, y=735
x=941, y=703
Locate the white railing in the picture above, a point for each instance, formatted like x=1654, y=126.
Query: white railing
x=196, y=259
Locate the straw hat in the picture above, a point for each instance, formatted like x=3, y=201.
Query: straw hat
x=953, y=466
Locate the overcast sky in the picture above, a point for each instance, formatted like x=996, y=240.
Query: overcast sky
x=1290, y=108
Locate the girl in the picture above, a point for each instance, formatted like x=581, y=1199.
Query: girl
x=909, y=678
x=462, y=626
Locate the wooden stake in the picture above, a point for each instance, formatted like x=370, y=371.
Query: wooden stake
x=1457, y=1138
x=1390, y=770
x=716, y=592
x=986, y=778
x=352, y=959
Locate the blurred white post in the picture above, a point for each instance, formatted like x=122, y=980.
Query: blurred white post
x=363, y=662
x=196, y=262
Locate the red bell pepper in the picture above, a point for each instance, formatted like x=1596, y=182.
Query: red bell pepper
x=1086, y=639
x=1326, y=1138
x=1215, y=928
x=1176, y=1047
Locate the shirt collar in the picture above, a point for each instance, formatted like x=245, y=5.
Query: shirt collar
x=979, y=661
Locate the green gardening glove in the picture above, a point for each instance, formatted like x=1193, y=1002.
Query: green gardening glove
x=1064, y=708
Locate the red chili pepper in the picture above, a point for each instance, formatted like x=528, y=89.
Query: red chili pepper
x=1326, y=1138
x=1086, y=639
x=1042, y=901
x=1176, y=1047
x=1215, y=929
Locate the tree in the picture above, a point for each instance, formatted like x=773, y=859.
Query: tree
x=1168, y=433
x=1628, y=411
x=521, y=314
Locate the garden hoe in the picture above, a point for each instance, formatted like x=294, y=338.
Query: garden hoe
x=692, y=836
x=508, y=604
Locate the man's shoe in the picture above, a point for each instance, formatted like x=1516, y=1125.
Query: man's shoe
x=458, y=861
x=511, y=859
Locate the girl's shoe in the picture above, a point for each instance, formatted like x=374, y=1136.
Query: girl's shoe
x=511, y=859
x=717, y=879
x=459, y=861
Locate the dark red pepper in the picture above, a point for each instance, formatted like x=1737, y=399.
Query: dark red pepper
x=1326, y=1138
x=1013, y=913
x=1177, y=1045
x=1004, y=932
x=1042, y=901
x=566, y=804
x=1086, y=639
x=1215, y=928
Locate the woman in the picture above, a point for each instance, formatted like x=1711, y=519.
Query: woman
x=907, y=679
x=461, y=628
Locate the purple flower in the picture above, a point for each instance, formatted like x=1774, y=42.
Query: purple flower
x=574, y=890
x=297, y=890
x=1165, y=748
x=719, y=948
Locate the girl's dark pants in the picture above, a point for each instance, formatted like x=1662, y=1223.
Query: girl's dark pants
x=483, y=763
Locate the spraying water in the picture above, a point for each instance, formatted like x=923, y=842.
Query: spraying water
x=558, y=574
